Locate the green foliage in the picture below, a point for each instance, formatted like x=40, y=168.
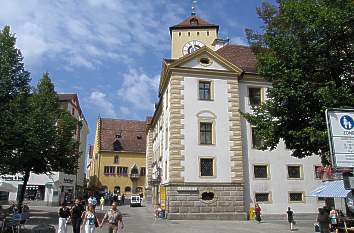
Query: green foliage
x=14, y=89
x=36, y=134
x=306, y=48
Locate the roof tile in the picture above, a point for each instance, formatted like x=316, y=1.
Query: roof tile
x=239, y=55
x=132, y=134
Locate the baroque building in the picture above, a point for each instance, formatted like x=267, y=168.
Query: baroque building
x=202, y=161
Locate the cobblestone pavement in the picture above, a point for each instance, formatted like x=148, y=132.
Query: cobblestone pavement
x=141, y=220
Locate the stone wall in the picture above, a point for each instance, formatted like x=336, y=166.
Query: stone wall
x=185, y=202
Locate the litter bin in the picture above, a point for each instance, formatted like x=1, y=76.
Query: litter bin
x=42, y=228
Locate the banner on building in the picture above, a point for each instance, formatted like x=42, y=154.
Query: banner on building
x=163, y=197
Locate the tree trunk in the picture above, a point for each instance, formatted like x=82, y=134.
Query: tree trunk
x=23, y=190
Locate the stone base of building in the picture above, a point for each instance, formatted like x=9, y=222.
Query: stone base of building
x=207, y=216
x=199, y=201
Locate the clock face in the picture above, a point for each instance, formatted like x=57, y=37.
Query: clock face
x=192, y=46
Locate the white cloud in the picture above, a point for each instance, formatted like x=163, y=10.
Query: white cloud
x=137, y=90
x=88, y=33
x=100, y=102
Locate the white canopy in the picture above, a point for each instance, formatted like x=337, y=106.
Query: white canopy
x=7, y=187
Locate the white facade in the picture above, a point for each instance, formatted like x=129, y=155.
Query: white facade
x=278, y=185
x=215, y=111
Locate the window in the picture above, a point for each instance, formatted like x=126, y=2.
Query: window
x=109, y=170
x=117, y=146
x=206, y=167
x=296, y=197
x=254, y=95
x=166, y=98
x=208, y=196
x=204, y=61
x=189, y=34
x=128, y=189
x=179, y=33
x=116, y=189
x=204, y=90
x=116, y=159
x=197, y=33
x=318, y=173
x=262, y=197
x=207, y=33
x=260, y=171
x=166, y=139
x=122, y=171
x=294, y=171
x=257, y=141
x=143, y=171
x=206, y=133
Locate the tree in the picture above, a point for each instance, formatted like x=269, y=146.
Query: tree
x=36, y=135
x=14, y=90
x=306, y=48
x=49, y=133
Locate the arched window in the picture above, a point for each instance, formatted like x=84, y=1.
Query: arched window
x=116, y=189
x=128, y=189
x=134, y=170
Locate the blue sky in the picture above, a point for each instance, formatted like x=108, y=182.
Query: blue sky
x=109, y=52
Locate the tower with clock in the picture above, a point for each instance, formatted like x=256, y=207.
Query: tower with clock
x=192, y=34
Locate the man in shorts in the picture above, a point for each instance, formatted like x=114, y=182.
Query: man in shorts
x=114, y=219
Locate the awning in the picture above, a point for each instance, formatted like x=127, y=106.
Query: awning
x=330, y=189
x=7, y=187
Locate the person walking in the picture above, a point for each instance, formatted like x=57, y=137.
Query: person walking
x=119, y=199
x=76, y=214
x=123, y=199
x=257, y=211
x=89, y=220
x=64, y=214
x=333, y=215
x=114, y=218
x=323, y=220
x=102, y=201
x=291, y=221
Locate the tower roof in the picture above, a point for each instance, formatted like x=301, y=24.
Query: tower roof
x=194, y=22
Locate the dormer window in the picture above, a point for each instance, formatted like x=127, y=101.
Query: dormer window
x=117, y=146
x=194, y=22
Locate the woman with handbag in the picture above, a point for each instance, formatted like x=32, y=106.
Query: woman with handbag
x=90, y=221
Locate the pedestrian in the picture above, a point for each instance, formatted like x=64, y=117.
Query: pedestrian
x=333, y=215
x=76, y=214
x=114, y=218
x=257, y=211
x=92, y=201
x=64, y=214
x=90, y=220
x=323, y=220
x=119, y=199
x=123, y=199
x=291, y=221
x=102, y=201
x=115, y=198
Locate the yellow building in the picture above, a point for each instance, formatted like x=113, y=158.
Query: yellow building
x=117, y=163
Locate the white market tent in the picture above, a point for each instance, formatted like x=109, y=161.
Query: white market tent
x=7, y=187
x=333, y=189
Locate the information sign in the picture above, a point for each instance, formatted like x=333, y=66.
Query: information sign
x=340, y=125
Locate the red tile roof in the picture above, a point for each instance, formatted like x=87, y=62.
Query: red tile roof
x=132, y=134
x=194, y=22
x=66, y=97
x=239, y=55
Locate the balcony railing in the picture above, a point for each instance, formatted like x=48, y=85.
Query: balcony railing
x=134, y=175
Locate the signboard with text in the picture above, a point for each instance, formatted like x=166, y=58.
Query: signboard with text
x=340, y=124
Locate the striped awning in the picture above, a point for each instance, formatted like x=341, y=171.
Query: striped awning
x=330, y=189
